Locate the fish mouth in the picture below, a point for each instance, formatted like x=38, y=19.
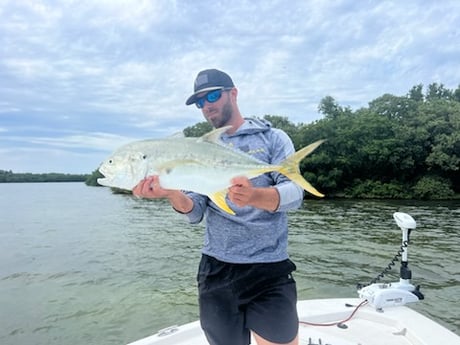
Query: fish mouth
x=114, y=182
x=102, y=181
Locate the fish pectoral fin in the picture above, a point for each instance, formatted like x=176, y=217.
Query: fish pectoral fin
x=219, y=199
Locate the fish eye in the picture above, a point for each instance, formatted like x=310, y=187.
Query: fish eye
x=110, y=161
x=144, y=157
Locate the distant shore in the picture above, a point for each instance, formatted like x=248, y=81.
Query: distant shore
x=11, y=177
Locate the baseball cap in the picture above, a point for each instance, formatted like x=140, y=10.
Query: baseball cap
x=209, y=80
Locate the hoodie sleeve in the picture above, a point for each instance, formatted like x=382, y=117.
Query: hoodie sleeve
x=196, y=215
x=291, y=195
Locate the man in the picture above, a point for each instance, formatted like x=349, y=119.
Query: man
x=244, y=278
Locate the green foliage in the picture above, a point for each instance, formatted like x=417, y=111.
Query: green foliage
x=381, y=150
x=331, y=109
x=283, y=123
x=433, y=188
x=436, y=91
x=198, y=130
x=370, y=189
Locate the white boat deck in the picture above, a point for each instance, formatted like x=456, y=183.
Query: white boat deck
x=392, y=326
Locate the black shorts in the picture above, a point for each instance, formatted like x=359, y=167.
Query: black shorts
x=237, y=298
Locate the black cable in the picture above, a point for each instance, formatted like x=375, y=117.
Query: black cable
x=392, y=263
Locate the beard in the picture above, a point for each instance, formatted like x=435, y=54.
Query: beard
x=225, y=116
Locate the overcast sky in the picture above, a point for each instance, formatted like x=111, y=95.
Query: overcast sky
x=79, y=78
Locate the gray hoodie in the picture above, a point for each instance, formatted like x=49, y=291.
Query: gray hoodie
x=252, y=235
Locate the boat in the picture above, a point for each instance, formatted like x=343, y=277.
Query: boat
x=378, y=316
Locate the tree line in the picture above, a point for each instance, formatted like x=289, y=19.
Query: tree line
x=10, y=176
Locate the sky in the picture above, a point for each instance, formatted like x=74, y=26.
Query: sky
x=80, y=78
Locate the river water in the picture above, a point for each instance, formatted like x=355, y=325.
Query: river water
x=80, y=265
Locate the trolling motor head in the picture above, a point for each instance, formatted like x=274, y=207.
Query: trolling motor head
x=405, y=222
x=399, y=293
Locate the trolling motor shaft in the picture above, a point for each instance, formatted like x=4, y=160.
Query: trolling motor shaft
x=382, y=295
x=407, y=224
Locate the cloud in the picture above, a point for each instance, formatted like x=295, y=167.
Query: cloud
x=72, y=70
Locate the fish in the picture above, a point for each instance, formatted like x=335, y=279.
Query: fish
x=204, y=165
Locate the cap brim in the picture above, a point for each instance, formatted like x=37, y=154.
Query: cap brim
x=192, y=98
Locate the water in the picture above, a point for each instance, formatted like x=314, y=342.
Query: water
x=79, y=265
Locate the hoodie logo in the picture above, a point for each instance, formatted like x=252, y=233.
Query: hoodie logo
x=252, y=152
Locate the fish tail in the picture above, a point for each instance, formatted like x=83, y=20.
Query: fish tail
x=290, y=168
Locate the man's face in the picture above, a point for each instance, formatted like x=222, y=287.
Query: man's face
x=219, y=112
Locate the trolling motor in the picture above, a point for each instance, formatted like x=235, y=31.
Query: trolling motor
x=382, y=295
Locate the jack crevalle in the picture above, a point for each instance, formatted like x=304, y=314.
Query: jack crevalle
x=203, y=165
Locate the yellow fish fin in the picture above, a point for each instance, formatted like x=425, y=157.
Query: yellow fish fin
x=219, y=199
x=290, y=168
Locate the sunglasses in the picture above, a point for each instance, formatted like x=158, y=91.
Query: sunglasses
x=211, y=97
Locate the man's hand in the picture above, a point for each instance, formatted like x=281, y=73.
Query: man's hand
x=241, y=192
x=150, y=188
